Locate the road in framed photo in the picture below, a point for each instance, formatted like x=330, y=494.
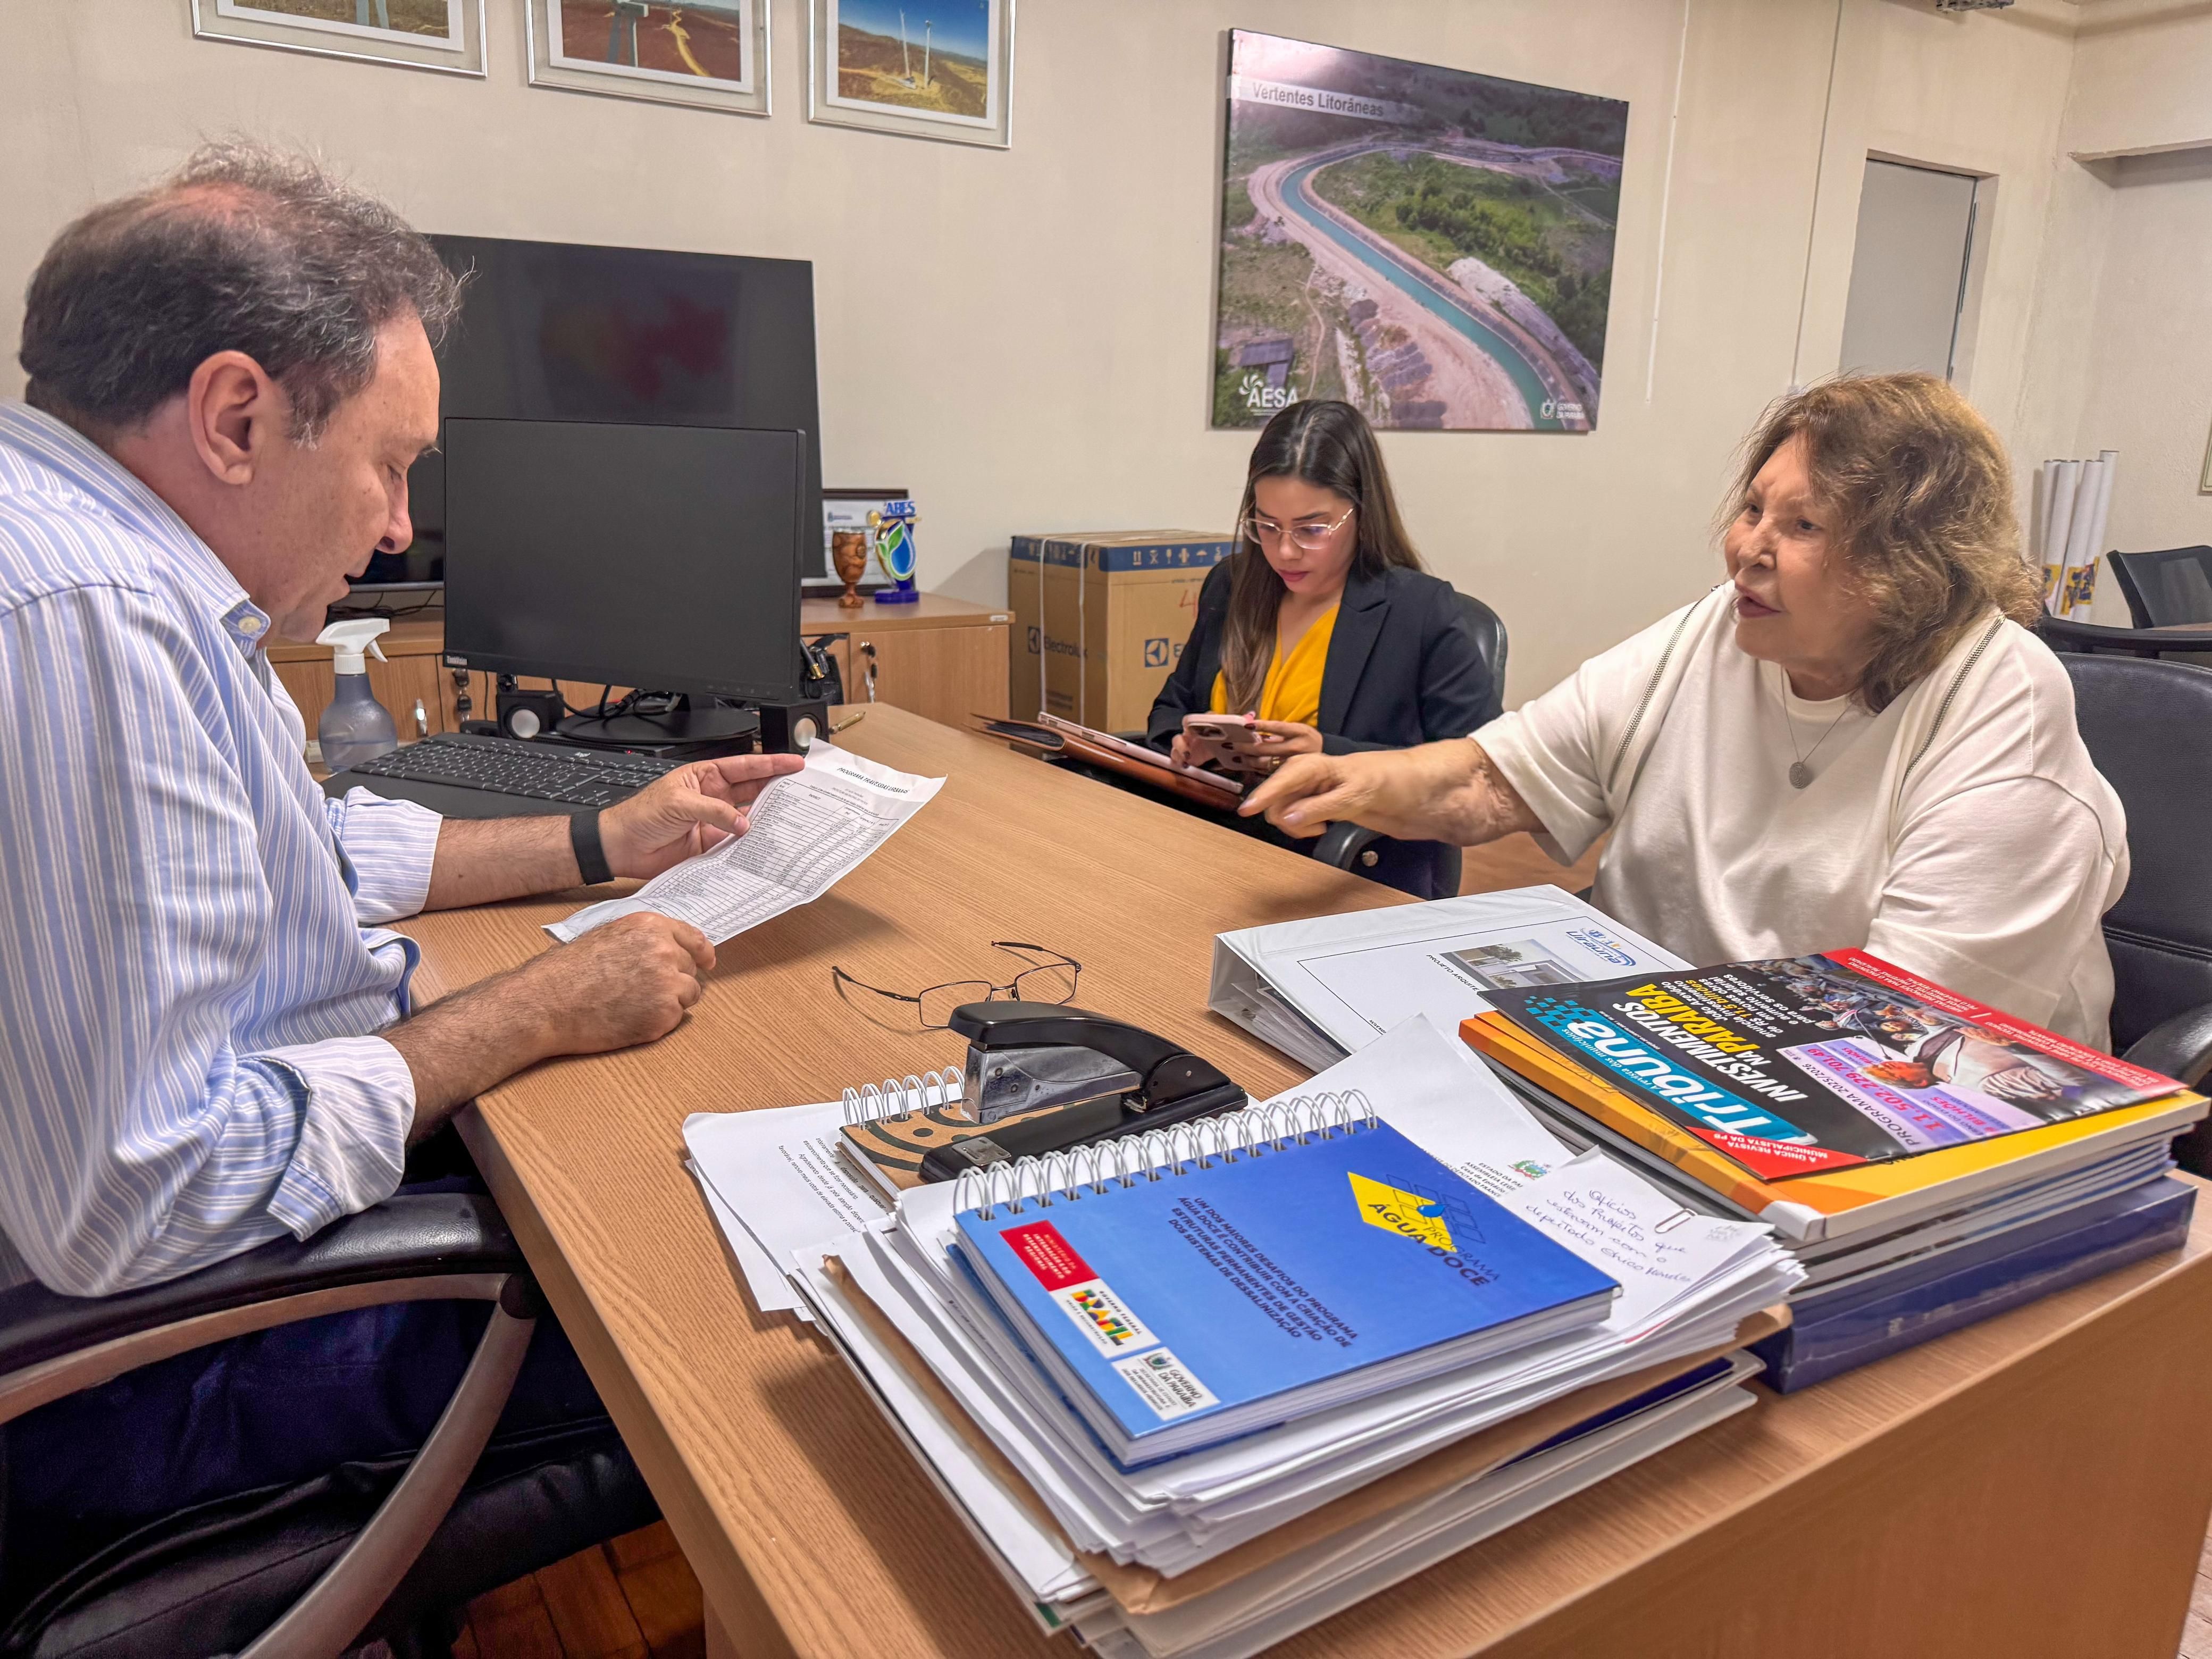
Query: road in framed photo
x=704, y=40
x=711, y=54
x=437, y=20
x=1432, y=246
x=433, y=34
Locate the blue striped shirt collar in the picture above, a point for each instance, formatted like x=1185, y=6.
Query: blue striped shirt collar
x=61, y=448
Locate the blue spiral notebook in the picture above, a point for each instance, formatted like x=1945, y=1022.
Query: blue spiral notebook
x=1203, y=1301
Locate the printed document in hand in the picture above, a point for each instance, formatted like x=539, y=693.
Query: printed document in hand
x=1321, y=989
x=807, y=832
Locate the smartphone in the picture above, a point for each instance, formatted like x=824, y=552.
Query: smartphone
x=1221, y=739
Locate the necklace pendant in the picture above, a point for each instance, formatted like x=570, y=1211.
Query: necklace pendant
x=1800, y=774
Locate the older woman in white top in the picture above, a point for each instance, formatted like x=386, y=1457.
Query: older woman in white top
x=1851, y=742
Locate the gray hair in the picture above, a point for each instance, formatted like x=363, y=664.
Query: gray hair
x=245, y=249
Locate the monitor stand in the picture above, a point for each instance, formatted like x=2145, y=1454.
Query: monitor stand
x=682, y=734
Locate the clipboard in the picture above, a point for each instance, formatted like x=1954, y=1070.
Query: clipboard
x=1050, y=735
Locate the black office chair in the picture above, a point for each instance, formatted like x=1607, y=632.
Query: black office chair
x=2149, y=728
x=1348, y=847
x=2168, y=588
x=371, y=1550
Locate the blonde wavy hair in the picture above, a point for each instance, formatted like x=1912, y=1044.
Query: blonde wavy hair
x=1918, y=496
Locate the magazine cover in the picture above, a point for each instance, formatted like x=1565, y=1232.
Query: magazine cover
x=1814, y=1063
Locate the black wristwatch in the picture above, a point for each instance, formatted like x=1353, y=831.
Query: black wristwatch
x=591, y=857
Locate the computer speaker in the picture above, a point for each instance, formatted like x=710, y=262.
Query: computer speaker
x=787, y=728
x=530, y=714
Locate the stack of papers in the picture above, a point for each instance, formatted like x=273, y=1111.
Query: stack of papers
x=1221, y=1550
x=1918, y=1246
x=1322, y=989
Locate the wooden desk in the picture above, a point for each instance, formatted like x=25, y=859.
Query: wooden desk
x=2036, y=1486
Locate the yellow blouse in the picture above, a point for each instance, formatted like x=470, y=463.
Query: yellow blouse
x=1293, y=688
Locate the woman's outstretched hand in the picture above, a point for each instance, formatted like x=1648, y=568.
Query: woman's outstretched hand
x=1447, y=792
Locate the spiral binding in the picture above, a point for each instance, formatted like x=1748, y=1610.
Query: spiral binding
x=870, y=1104
x=1158, y=1154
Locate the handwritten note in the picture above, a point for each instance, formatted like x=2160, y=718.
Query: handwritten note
x=1623, y=1225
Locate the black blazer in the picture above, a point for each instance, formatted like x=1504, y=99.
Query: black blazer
x=1402, y=667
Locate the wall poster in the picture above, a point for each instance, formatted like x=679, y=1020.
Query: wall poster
x=1432, y=246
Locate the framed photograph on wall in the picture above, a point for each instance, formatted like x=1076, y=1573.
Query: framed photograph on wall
x=711, y=54
x=432, y=35
x=926, y=69
x=1430, y=245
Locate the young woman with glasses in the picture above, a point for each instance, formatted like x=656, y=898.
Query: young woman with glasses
x=1323, y=624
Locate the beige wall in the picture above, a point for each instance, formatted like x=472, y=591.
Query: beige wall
x=2149, y=391
x=2123, y=339
x=1039, y=358
x=2142, y=78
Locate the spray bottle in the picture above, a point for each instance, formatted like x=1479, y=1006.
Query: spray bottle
x=355, y=727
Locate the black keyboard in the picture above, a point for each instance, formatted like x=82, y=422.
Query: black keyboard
x=509, y=766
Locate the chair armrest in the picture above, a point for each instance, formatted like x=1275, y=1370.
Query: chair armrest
x=1342, y=843
x=2181, y=1046
x=2061, y=632
x=427, y=1236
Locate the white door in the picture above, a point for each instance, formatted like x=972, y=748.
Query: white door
x=1916, y=237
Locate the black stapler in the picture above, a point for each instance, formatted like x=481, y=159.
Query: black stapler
x=1022, y=1056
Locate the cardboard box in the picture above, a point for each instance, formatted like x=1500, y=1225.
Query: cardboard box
x=1100, y=618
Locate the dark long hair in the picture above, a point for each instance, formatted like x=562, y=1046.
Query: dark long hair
x=1331, y=446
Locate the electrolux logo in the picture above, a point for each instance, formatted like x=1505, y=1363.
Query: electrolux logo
x=1156, y=653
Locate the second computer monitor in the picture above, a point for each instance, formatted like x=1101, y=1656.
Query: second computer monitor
x=663, y=557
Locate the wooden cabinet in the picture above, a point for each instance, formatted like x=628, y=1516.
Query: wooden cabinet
x=412, y=674
x=941, y=658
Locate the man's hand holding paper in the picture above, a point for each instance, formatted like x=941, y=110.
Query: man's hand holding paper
x=692, y=811
x=791, y=839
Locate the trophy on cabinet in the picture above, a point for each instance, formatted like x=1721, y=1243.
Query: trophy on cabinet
x=848, y=556
x=893, y=531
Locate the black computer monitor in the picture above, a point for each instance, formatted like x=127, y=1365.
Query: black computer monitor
x=561, y=331
x=662, y=557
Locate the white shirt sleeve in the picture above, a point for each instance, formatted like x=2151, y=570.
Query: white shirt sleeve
x=1985, y=895
x=1553, y=748
x=391, y=845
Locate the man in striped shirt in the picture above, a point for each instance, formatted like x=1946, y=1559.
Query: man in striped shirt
x=205, y=1037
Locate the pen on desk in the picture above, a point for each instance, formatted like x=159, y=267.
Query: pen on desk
x=844, y=721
